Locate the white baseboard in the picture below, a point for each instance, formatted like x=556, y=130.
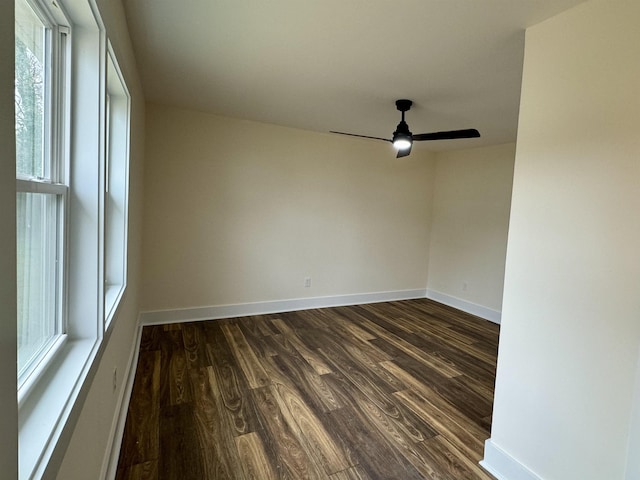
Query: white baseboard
x=260, y=308
x=503, y=466
x=110, y=465
x=472, y=308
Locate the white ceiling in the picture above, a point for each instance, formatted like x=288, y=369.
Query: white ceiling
x=340, y=64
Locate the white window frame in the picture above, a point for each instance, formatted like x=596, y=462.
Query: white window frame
x=54, y=182
x=52, y=402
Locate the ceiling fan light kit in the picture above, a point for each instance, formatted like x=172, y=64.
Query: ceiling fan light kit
x=403, y=139
x=401, y=142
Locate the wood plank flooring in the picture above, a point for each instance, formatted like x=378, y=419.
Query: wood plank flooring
x=397, y=390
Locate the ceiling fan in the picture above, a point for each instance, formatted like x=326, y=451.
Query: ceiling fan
x=403, y=138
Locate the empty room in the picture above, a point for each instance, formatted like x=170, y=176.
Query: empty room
x=324, y=240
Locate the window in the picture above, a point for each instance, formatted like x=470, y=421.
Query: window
x=41, y=189
x=116, y=186
x=72, y=161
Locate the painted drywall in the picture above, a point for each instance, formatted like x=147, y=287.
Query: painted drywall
x=471, y=203
x=88, y=449
x=571, y=309
x=8, y=315
x=239, y=211
x=633, y=450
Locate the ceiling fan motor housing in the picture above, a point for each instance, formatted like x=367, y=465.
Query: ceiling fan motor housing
x=402, y=130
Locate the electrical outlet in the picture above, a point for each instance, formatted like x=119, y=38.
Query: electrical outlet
x=115, y=378
x=307, y=282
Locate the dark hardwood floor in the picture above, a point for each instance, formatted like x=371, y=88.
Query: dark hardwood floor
x=398, y=390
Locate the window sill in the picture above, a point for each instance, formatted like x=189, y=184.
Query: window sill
x=45, y=413
x=26, y=386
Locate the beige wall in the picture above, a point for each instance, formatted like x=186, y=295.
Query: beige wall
x=470, y=222
x=8, y=315
x=87, y=449
x=238, y=212
x=571, y=309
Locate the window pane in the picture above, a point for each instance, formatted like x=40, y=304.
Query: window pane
x=37, y=276
x=29, y=92
x=116, y=186
x=115, y=191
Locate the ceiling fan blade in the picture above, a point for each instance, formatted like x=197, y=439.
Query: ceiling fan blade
x=404, y=153
x=450, y=135
x=361, y=136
